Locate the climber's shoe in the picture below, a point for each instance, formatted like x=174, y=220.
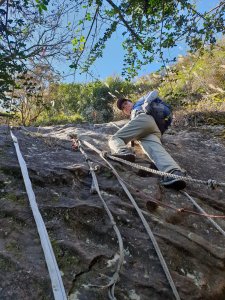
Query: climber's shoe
x=126, y=155
x=174, y=183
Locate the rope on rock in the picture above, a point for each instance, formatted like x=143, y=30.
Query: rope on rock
x=115, y=277
x=212, y=183
x=203, y=212
x=145, y=223
x=55, y=276
x=177, y=209
x=114, y=125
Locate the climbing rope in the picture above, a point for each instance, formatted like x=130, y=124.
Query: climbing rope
x=146, y=225
x=95, y=186
x=202, y=210
x=177, y=209
x=55, y=276
x=211, y=183
x=114, y=125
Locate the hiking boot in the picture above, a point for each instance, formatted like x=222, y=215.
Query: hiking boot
x=126, y=155
x=174, y=183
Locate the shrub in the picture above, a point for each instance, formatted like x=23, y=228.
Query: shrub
x=58, y=119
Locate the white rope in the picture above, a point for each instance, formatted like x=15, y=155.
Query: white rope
x=55, y=276
x=144, y=222
x=114, y=125
x=115, y=277
x=202, y=210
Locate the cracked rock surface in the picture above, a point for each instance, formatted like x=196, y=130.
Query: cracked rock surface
x=84, y=242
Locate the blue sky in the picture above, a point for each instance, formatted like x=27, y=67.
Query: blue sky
x=112, y=61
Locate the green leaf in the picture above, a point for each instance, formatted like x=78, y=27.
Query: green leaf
x=74, y=42
x=88, y=16
x=82, y=39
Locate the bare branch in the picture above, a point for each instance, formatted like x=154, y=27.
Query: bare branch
x=222, y=3
x=89, y=32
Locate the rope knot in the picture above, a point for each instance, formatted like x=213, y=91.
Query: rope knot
x=75, y=144
x=93, y=166
x=212, y=183
x=104, y=154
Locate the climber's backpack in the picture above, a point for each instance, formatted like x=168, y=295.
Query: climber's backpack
x=160, y=111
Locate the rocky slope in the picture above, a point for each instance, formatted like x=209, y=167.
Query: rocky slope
x=83, y=239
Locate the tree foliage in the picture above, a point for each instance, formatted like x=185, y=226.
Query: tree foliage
x=30, y=94
x=93, y=101
x=149, y=27
x=32, y=32
x=192, y=80
x=189, y=84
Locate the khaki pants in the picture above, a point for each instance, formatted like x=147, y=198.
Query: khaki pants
x=144, y=129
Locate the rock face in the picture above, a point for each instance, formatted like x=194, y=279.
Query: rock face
x=85, y=245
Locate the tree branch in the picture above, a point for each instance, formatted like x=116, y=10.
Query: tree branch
x=133, y=33
x=218, y=6
x=2, y=2
x=189, y=6
x=89, y=32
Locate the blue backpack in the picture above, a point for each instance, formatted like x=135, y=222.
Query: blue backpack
x=161, y=112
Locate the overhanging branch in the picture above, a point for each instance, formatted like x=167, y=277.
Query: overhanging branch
x=133, y=33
